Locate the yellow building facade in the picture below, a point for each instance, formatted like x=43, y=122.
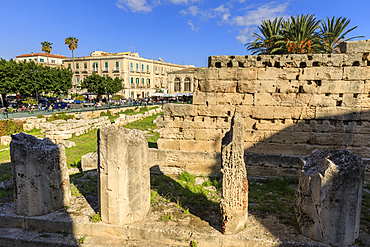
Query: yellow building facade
x=141, y=76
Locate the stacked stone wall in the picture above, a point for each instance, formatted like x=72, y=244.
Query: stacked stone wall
x=290, y=104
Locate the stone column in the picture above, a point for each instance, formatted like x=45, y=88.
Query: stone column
x=40, y=173
x=234, y=200
x=124, y=179
x=328, y=197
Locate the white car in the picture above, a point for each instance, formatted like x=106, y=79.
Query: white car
x=68, y=100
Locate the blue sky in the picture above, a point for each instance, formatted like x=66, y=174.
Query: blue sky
x=178, y=31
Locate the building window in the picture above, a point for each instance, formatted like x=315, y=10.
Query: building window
x=137, y=67
x=77, y=65
x=35, y=59
x=156, y=69
x=142, y=81
x=52, y=61
x=95, y=66
x=177, y=85
x=137, y=82
x=131, y=67
x=106, y=65
x=63, y=62
x=162, y=70
x=142, y=67
x=147, y=68
x=42, y=60
x=85, y=66
x=117, y=65
x=187, y=84
x=69, y=65
x=78, y=80
x=148, y=81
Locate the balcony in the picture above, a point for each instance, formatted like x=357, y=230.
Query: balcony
x=115, y=69
x=95, y=69
x=105, y=69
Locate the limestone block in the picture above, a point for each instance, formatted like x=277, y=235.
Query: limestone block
x=89, y=161
x=28, y=126
x=356, y=86
x=338, y=113
x=332, y=60
x=124, y=179
x=258, y=86
x=168, y=144
x=40, y=175
x=328, y=197
x=207, y=74
x=287, y=86
x=180, y=110
x=350, y=100
x=5, y=140
x=358, y=46
x=218, y=86
x=216, y=110
x=361, y=140
x=265, y=99
x=207, y=135
x=321, y=73
x=356, y=73
x=354, y=59
x=247, y=74
x=227, y=74
x=271, y=73
x=324, y=101
x=201, y=146
x=234, y=198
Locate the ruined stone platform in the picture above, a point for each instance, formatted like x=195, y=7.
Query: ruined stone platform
x=66, y=226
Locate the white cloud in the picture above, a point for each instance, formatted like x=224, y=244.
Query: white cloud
x=224, y=12
x=179, y=1
x=193, y=28
x=135, y=5
x=193, y=10
x=253, y=18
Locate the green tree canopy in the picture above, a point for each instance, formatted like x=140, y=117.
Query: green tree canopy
x=20, y=77
x=101, y=85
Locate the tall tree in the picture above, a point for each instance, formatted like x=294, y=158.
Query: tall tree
x=46, y=47
x=266, y=42
x=300, y=35
x=334, y=33
x=72, y=43
x=101, y=85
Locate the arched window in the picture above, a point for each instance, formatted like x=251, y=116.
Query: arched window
x=177, y=85
x=142, y=81
x=187, y=84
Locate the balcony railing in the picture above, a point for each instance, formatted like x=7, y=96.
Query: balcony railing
x=116, y=69
x=95, y=69
x=84, y=70
x=105, y=69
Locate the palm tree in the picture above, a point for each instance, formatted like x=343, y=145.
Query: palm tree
x=46, y=47
x=334, y=33
x=300, y=35
x=72, y=43
x=270, y=35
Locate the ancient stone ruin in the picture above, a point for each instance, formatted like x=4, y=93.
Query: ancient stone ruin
x=328, y=198
x=40, y=173
x=234, y=200
x=291, y=105
x=124, y=179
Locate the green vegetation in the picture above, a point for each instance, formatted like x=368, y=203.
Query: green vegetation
x=19, y=77
x=4, y=156
x=166, y=217
x=193, y=243
x=82, y=240
x=300, y=35
x=146, y=124
x=95, y=218
x=9, y=126
x=102, y=85
x=62, y=115
x=85, y=143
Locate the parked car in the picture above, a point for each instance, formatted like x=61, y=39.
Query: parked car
x=77, y=101
x=53, y=100
x=60, y=105
x=68, y=100
x=88, y=104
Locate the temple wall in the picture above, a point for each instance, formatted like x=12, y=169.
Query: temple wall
x=290, y=104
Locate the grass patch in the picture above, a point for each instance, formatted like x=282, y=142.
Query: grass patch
x=35, y=132
x=5, y=156
x=95, y=218
x=146, y=124
x=85, y=143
